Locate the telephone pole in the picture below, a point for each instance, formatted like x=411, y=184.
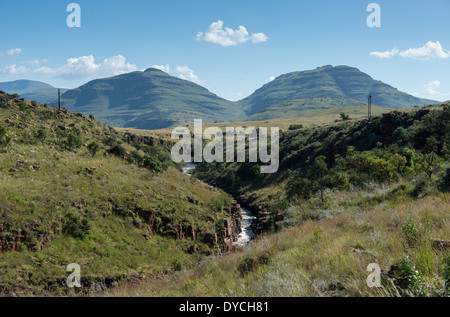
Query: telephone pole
x=370, y=106
x=59, y=99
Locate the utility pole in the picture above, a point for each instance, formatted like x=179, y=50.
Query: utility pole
x=59, y=99
x=370, y=106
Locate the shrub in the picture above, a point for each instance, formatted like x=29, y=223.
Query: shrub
x=40, y=135
x=72, y=226
x=409, y=272
x=251, y=263
x=4, y=138
x=295, y=127
x=93, y=148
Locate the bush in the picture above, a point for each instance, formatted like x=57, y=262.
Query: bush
x=72, y=226
x=73, y=140
x=40, y=135
x=251, y=263
x=414, y=278
x=93, y=148
x=293, y=127
x=4, y=139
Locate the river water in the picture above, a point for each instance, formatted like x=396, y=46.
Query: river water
x=246, y=234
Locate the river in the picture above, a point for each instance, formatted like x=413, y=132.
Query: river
x=246, y=234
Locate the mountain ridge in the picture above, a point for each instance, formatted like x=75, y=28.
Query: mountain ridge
x=153, y=99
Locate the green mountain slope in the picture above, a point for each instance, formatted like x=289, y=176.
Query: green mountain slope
x=148, y=100
x=23, y=86
x=296, y=93
x=46, y=95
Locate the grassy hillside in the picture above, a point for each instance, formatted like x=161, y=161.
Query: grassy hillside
x=325, y=251
x=74, y=191
x=148, y=100
x=356, y=193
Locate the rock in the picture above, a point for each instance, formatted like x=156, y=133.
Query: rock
x=140, y=193
x=440, y=244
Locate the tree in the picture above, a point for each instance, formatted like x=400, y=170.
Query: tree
x=40, y=135
x=93, y=148
x=430, y=162
x=399, y=162
x=345, y=117
x=301, y=188
x=73, y=140
x=318, y=175
x=401, y=134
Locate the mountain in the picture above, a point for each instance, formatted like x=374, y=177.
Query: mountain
x=151, y=99
x=46, y=95
x=154, y=99
x=23, y=86
x=295, y=93
x=32, y=90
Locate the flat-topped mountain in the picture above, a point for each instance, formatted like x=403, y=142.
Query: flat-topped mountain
x=295, y=93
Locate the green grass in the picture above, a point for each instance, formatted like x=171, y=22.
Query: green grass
x=327, y=257
x=120, y=222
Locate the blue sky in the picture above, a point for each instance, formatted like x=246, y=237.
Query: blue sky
x=409, y=50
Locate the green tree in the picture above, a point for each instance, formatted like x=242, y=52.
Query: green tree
x=73, y=140
x=93, y=148
x=318, y=174
x=429, y=164
x=401, y=134
x=399, y=162
x=40, y=135
x=345, y=117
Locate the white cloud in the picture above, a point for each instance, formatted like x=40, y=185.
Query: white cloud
x=271, y=78
x=432, y=88
x=431, y=50
x=386, y=54
x=14, y=70
x=216, y=33
x=34, y=62
x=164, y=68
x=85, y=66
x=186, y=73
x=11, y=52
x=259, y=38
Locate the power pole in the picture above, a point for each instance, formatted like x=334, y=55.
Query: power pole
x=59, y=99
x=370, y=106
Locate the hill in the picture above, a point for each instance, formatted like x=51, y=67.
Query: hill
x=296, y=93
x=148, y=100
x=76, y=191
x=346, y=195
x=23, y=86
x=46, y=95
